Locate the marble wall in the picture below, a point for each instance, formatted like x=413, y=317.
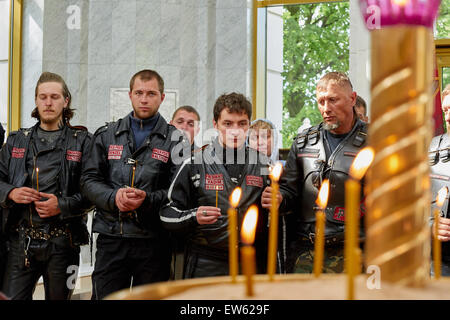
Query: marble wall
x=201, y=49
x=4, y=46
x=359, y=54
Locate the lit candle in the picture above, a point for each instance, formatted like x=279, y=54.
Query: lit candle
x=442, y=194
x=232, y=233
x=273, y=228
x=217, y=194
x=247, y=251
x=37, y=179
x=132, y=177
x=319, y=240
x=358, y=169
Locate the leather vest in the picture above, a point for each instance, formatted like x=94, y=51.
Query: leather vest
x=316, y=166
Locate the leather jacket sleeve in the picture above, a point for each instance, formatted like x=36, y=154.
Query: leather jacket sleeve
x=76, y=204
x=94, y=170
x=289, y=181
x=5, y=187
x=179, y=214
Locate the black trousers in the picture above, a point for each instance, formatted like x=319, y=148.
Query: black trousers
x=3, y=254
x=55, y=260
x=119, y=260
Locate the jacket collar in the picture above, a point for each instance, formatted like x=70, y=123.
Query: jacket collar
x=160, y=127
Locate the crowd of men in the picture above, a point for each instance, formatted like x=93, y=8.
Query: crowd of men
x=156, y=194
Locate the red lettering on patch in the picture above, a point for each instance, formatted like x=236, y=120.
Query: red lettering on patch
x=115, y=152
x=18, y=153
x=214, y=182
x=254, y=181
x=161, y=155
x=73, y=155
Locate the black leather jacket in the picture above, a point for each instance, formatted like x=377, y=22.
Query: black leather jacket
x=194, y=186
x=307, y=165
x=72, y=147
x=439, y=157
x=110, y=167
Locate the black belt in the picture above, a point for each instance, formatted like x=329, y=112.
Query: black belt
x=40, y=234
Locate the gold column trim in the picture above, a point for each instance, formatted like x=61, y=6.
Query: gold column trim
x=15, y=65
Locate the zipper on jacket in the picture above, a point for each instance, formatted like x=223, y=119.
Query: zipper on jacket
x=32, y=179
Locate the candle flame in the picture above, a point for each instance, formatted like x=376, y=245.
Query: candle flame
x=362, y=162
x=275, y=171
x=322, y=198
x=235, y=197
x=249, y=225
x=400, y=2
x=442, y=194
x=37, y=169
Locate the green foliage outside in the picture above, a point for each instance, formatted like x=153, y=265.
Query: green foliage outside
x=443, y=21
x=316, y=41
x=443, y=32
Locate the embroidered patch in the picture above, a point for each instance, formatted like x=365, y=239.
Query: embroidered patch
x=18, y=152
x=254, y=181
x=73, y=155
x=350, y=154
x=339, y=214
x=214, y=182
x=161, y=155
x=115, y=152
x=440, y=177
x=307, y=155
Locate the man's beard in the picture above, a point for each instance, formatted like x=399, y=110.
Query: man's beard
x=331, y=126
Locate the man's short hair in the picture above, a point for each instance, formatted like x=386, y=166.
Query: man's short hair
x=234, y=102
x=446, y=91
x=189, y=109
x=361, y=103
x=339, y=78
x=147, y=75
x=68, y=113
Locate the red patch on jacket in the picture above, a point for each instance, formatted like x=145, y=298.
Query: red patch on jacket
x=339, y=212
x=214, y=182
x=161, y=155
x=254, y=181
x=18, y=153
x=307, y=155
x=73, y=155
x=115, y=152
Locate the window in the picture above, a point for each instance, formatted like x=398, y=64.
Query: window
x=4, y=46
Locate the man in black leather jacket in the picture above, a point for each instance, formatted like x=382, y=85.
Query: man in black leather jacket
x=215, y=171
x=439, y=154
x=127, y=176
x=321, y=152
x=44, y=211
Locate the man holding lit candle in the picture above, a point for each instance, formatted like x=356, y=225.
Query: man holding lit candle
x=440, y=177
x=321, y=152
x=220, y=166
x=132, y=246
x=45, y=225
